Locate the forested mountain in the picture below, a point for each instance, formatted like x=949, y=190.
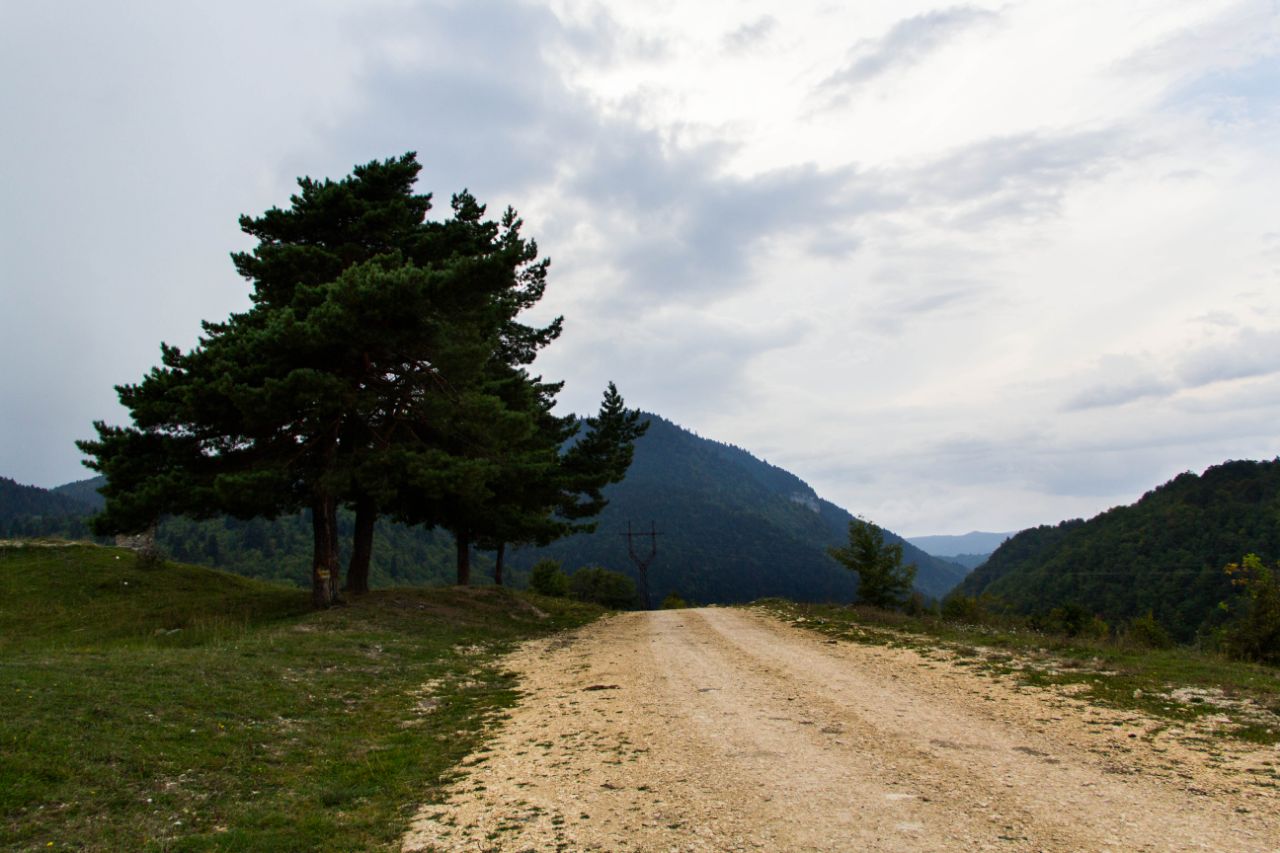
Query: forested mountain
x=1163, y=554
x=969, y=561
x=84, y=491
x=19, y=500
x=32, y=511
x=733, y=528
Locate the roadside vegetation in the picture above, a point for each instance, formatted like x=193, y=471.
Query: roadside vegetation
x=591, y=584
x=169, y=707
x=1138, y=669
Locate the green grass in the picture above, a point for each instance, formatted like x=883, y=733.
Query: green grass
x=1179, y=685
x=178, y=708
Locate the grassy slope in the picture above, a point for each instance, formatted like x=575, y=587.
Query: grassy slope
x=1110, y=673
x=184, y=709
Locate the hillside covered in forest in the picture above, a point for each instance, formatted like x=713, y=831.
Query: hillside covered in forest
x=732, y=527
x=1164, y=554
x=32, y=511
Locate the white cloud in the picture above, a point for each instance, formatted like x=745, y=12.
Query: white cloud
x=751, y=33
x=907, y=43
x=1027, y=268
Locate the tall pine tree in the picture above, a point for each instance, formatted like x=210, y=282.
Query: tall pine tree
x=383, y=365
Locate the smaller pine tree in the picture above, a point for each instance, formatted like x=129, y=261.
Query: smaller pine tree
x=883, y=581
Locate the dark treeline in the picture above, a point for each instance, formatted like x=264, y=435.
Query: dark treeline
x=32, y=511
x=280, y=549
x=276, y=549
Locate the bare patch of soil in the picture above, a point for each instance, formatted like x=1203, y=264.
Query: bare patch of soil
x=719, y=729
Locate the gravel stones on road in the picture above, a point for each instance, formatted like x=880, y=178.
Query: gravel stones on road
x=722, y=729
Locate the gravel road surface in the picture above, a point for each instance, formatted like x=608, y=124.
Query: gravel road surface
x=723, y=729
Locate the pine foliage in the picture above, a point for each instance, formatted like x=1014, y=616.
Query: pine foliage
x=883, y=581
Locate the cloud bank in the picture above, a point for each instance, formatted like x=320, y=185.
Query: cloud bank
x=961, y=267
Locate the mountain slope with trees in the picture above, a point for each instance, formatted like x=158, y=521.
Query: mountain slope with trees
x=17, y=500
x=732, y=528
x=84, y=491
x=32, y=511
x=1164, y=554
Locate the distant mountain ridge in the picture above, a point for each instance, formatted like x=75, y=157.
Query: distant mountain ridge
x=975, y=542
x=84, y=491
x=1164, y=554
x=969, y=561
x=19, y=500
x=733, y=528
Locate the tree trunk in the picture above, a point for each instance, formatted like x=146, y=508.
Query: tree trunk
x=463, y=540
x=324, y=560
x=335, y=576
x=497, y=563
x=361, y=546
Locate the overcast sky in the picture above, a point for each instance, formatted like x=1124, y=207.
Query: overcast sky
x=957, y=266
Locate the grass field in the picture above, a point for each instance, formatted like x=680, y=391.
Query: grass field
x=1178, y=684
x=179, y=708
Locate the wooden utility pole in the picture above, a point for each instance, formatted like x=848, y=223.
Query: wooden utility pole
x=643, y=562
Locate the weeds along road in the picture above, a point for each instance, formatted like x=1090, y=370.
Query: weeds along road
x=719, y=729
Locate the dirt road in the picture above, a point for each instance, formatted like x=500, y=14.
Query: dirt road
x=719, y=729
